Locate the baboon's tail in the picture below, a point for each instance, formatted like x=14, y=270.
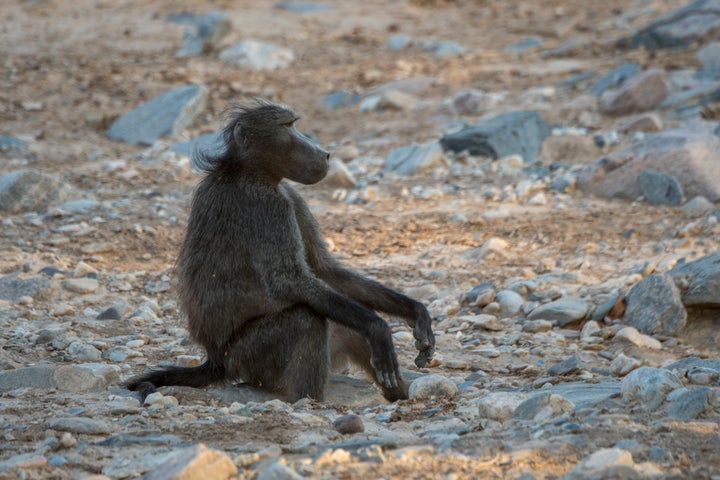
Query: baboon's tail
x=200, y=376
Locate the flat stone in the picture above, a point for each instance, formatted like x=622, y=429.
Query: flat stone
x=653, y=306
x=11, y=146
x=699, y=20
x=688, y=153
x=614, y=78
x=698, y=206
x=686, y=364
x=542, y=407
x=709, y=56
x=255, y=55
x=399, y=41
x=524, y=44
x=414, y=159
x=586, y=395
x=85, y=377
x=622, y=365
x=433, y=385
x=649, y=386
x=519, y=132
x=304, y=7
x=647, y=122
x=499, y=406
x=80, y=285
x=32, y=191
x=641, y=92
x=194, y=463
x=703, y=280
x=166, y=114
x=335, y=100
x=569, y=365
x=13, y=288
x=84, y=425
x=660, y=188
x=41, y=377
x=693, y=403
x=444, y=48
x=562, y=311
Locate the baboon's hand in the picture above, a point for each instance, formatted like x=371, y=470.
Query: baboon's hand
x=424, y=336
x=383, y=358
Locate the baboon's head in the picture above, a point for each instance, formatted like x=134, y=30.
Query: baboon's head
x=267, y=142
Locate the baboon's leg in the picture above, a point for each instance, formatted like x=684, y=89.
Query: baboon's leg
x=348, y=346
x=284, y=353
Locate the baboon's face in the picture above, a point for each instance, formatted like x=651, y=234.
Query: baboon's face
x=307, y=163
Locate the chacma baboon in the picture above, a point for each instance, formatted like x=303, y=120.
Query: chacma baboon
x=260, y=291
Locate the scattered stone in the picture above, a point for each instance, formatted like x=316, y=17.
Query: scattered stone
x=709, y=56
x=569, y=365
x=13, y=288
x=166, y=114
x=599, y=464
x=543, y=407
x=255, y=55
x=399, y=42
x=41, y=377
x=660, y=188
x=84, y=425
x=304, y=7
x=649, y=386
x=590, y=331
x=622, y=365
x=614, y=78
x=80, y=285
x=414, y=159
x=432, y=385
x=444, y=48
x=396, y=100
x=648, y=122
x=699, y=20
x=641, y=92
x=631, y=335
x=702, y=277
x=337, y=100
x=474, y=102
x=537, y=326
x=654, y=306
x=562, y=311
x=520, y=132
x=110, y=313
x=87, y=377
x=480, y=295
x=687, y=153
x=524, y=44
x=84, y=352
x=11, y=146
x=338, y=175
x=348, y=424
x=195, y=463
x=691, y=404
x=203, y=34
x=30, y=190
x=499, y=406
x=698, y=206
x=510, y=303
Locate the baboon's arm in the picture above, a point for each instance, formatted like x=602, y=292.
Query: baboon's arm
x=365, y=291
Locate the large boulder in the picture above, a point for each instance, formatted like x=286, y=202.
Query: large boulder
x=702, y=278
x=691, y=154
x=30, y=190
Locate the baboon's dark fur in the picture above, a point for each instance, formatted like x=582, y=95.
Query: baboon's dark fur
x=260, y=291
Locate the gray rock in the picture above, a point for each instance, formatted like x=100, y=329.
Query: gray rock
x=304, y=7
x=641, y=92
x=348, y=424
x=84, y=425
x=166, y=114
x=543, y=407
x=84, y=352
x=444, y=48
x=569, y=365
x=11, y=146
x=510, y=303
x=30, y=190
x=432, y=385
x=499, y=406
x=255, y=55
x=614, y=78
x=275, y=470
x=598, y=464
x=649, y=386
x=622, y=365
x=647, y=122
x=684, y=365
x=585, y=395
x=194, y=463
x=89, y=377
x=12, y=287
x=479, y=291
x=399, y=41
x=41, y=377
x=654, y=306
x=110, y=313
x=691, y=404
x=414, y=159
x=80, y=285
x=709, y=56
x=204, y=32
x=519, y=132
x=698, y=206
x=703, y=280
x=524, y=44
x=474, y=102
x=335, y=100
x=562, y=311
x=660, y=188
x=696, y=21
x=688, y=153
